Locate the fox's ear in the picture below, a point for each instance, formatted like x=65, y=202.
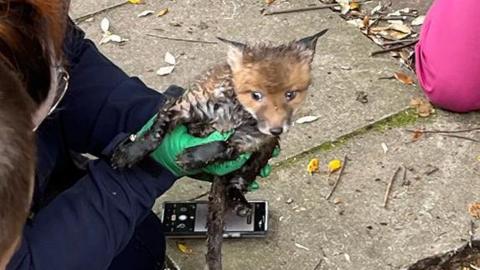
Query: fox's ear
x=307, y=45
x=235, y=53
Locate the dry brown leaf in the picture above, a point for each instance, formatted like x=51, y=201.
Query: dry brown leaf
x=417, y=135
x=366, y=21
x=269, y=2
x=162, y=12
x=474, y=210
x=422, y=107
x=404, y=78
x=425, y=109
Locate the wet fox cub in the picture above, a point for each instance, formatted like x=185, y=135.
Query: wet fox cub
x=255, y=93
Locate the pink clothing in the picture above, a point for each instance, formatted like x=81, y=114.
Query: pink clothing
x=448, y=55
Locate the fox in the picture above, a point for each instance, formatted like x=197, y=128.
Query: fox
x=255, y=93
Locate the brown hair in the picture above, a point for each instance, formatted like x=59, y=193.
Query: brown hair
x=31, y=38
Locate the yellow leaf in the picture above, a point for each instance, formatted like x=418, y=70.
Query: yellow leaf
x=184, y=248
x=404, y=78
x=162, y=12
x=312, y=166
x=334, y=165
x=136, y=2
x=268, y=2
x=354, y=5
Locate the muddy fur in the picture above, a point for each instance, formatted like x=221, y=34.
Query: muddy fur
x=255, y=94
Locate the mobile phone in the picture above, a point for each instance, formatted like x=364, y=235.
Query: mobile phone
x=189, y=220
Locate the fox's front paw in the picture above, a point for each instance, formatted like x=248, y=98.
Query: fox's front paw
x=197, y=157
x=127, y=154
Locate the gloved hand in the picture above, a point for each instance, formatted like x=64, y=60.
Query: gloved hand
x=179, y=139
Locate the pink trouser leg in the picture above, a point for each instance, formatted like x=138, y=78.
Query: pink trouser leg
x=448, y=55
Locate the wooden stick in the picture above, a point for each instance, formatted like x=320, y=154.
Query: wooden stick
x=394, y=48
x=344, y=163
x=445, y=131
x=461, y=137
x=389, y=187
x=182, y=39
x=395, y=42
x=215, y=224
x=299, y=9
x=199, y=196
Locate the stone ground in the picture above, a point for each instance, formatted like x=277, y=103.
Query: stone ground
x=423, y=218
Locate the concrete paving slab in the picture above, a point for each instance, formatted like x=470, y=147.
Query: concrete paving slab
x=81, y=8
x=342, y=66
x=428, y=216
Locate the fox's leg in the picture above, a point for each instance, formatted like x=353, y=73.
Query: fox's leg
x=245, y=139
x=242, y=178
x=135, y=149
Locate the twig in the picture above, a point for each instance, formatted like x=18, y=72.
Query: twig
x=395, y=42
x=299, y=9
x=338, y=178
x=445, y=131
x=215, y=224
x=182, y=39
x=199, y=196
x=389, y=187
x=471, y=232
x=404, y=178
x=89, y=15
x=394, y=48
x=461, y=137
x=319, y=264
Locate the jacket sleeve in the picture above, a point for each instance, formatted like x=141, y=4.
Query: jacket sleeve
x=102, y=100
x=86, y=226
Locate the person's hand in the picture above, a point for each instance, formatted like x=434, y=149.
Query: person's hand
x=179, y=139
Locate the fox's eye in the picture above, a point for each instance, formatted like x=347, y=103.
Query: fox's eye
x=257, y=96
x=289, y=95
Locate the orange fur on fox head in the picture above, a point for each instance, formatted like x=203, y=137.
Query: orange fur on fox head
x=271, y=81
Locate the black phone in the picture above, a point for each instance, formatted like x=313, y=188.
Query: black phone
x=189, y=220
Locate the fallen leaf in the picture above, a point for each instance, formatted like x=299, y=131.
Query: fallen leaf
x=184, y=248
x=419, y=20
x=313, y=166
x=403, y=28
x=354, y=5
x=384, y=147
x=404, y=78
x=356, y=22
x=307, y=119
x=269, y=2
x=344, y=5
x=366, y=21
x=136, y=2
x=478, y=158
x=302, y=246
x=417, y=134
x=105, y=25
x=169, y=58
x=165, y=70
x=474, y=210
x=425, y=109
x=376, y=9
x=422, y=107
x=145, y=13
x=337, y=200
x=162, y=12
x=334, y=165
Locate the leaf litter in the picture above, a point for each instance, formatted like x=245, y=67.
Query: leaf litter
x=108, y=36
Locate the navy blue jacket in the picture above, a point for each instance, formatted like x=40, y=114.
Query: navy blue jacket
x=85, y=226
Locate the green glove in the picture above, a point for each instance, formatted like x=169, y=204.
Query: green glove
x=179, y=139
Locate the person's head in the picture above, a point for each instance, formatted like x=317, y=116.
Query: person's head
x=31, y=36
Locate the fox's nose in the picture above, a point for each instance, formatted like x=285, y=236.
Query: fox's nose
x=276, y=131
